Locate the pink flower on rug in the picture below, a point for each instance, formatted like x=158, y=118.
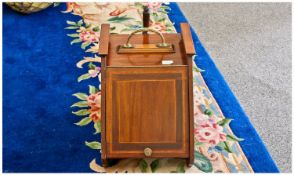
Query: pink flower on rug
x=201, y=119
x=158, y=26
x=73, y=7
x=153, y=6
x=121, y=7
x=117, y=12
x=89, y=36
x=208, y=131
x=94, y=101
x=94, y=72
x=95, y=116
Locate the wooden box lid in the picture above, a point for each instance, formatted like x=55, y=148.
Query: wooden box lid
x=182, y=46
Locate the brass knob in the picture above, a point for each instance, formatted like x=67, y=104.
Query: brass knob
x=147, y=152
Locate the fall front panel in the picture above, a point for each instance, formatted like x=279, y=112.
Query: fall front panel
x=147, y=109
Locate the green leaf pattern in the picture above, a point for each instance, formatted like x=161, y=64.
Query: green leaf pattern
x=84, y=121
x=82, y=112
x=84, y=77
x=93, y=145
x=143, y=166
x=155, y=165
x=97, y=126
x=92, y=89
x=80, y=104
x=81, y=96
x=202, y=162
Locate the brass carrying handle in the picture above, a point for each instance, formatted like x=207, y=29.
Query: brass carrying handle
x=162, y=44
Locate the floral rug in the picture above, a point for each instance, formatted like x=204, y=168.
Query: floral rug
x=217, y=149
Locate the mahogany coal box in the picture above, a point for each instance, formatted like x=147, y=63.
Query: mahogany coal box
x=147, y=95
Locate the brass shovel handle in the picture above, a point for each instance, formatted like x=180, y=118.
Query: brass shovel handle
x=162, y=44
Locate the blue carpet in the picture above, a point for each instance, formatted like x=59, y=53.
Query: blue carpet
x=39, y=78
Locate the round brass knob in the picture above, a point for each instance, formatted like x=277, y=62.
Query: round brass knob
x=148, y=152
